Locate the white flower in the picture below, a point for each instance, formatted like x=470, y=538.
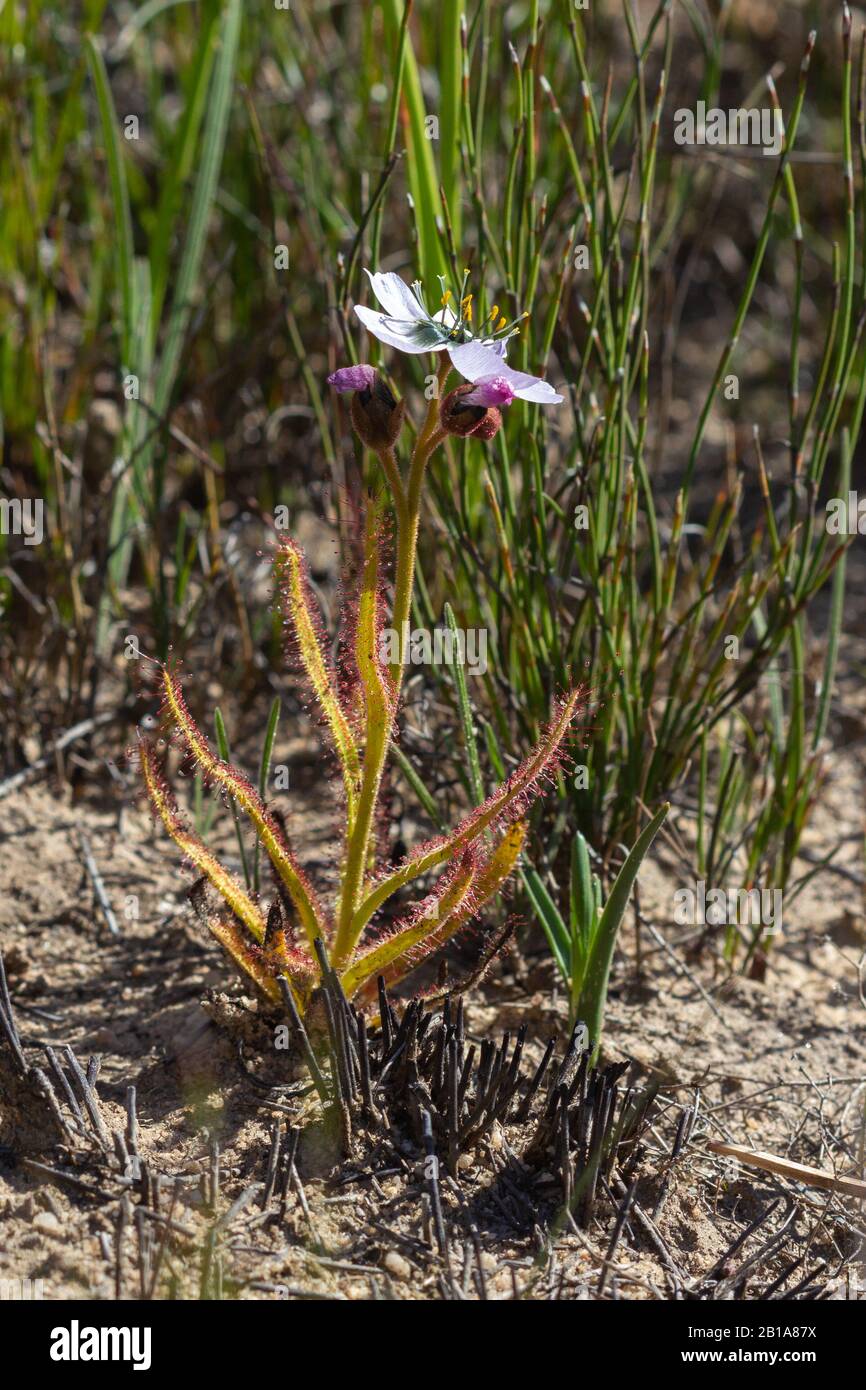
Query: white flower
x=408, y=325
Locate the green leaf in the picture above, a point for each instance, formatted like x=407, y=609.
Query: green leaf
x=549, y=916
x=583, y=896
x=593, y=995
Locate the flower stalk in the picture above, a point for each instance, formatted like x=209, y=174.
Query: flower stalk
x=408, y=516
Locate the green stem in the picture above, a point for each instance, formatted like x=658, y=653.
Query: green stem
x=378, y=733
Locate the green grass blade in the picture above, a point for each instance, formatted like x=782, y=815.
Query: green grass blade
x=181, y=164
x=450, y=116
x=423, y=183
x=837, y=610
x=466, y=721
x=265, y=770
x=225, y=754
x=213, y=144
x=417, y=786
x=119, y=192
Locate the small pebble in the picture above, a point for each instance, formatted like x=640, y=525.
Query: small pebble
x=47, y=1223
x=397, y=1266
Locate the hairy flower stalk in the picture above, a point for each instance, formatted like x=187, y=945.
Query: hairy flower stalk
x=475, y=860
x=298, y=604
x=376, y=752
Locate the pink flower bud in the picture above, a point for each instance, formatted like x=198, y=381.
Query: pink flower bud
x=469, y=411
x=376, y=415
x=361, y=378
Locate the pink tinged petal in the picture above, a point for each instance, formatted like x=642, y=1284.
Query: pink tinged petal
x=395, y=296
x=536, y=390
x=360, y=378
x=490, y=390
x=497, y=345
x=478, y=360
x=375, y=323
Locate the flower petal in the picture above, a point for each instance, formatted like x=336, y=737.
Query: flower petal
x=445, y=315
x=412, y=337
x=475, y=360
x=478, y=360
x=535, y=390
x=360, y=378
x=395, y=296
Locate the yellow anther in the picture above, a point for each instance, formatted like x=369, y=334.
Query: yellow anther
x=445, y=298
x=466, y=307
x=494, y=311
x=501, y=323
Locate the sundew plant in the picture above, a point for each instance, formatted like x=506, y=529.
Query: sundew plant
x=297, y=936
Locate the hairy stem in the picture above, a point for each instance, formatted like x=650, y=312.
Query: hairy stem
x=391, y=469
x=408, y=510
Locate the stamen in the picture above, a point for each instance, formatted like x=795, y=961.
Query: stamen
x=514, y=326
x=418, y=291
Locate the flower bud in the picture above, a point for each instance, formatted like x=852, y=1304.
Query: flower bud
x=473, y=409
x=376, y=415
